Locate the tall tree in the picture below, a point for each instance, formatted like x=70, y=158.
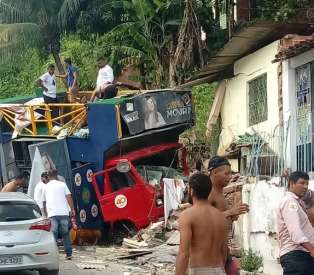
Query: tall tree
x=146, y=37
x=30, y=22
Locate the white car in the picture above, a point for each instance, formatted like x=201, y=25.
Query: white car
x=26, y=242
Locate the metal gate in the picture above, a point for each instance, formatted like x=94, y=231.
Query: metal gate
x=304, y=118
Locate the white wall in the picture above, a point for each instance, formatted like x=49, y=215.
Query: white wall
x=234, y=112
x=256, y=229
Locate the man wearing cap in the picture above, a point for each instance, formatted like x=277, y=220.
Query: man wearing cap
x=296, y=234
x=220, y=173
x=39, y=189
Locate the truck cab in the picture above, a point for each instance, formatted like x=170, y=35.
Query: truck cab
x=133, y=184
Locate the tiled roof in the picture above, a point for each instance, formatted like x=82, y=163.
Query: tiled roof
x=293, y=44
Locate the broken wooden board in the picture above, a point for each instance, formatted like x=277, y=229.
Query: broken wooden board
x=134, y=244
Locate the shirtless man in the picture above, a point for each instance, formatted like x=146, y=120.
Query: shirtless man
x=203, y=233
x=219, y=170
x=14, y=185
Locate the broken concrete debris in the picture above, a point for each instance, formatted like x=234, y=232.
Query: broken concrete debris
x=151, y=251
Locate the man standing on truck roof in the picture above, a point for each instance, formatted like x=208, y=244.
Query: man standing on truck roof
x=56, y=199
x=104, y=79
x=71, y=77
x=203, y=233
x=48, y=82
x=14, y=185
x=220, y=173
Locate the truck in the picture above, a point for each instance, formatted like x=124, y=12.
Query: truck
x=113, y=154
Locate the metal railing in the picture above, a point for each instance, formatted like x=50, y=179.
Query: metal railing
x=24, y=117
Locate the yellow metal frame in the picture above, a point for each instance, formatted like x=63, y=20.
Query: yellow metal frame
x=77, y=114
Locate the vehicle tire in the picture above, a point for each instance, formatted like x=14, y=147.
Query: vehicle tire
x=122, y=230
x=49, y=272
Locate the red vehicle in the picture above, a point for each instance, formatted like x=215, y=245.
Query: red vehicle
x=129, y=198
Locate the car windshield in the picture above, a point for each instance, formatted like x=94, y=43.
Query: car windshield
x=18, y=211
x=153, y=174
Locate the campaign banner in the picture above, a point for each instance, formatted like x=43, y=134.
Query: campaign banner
x=157, y=109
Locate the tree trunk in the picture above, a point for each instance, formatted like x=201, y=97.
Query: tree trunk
x=59, y=65
x=58, y=62
x=217, y=11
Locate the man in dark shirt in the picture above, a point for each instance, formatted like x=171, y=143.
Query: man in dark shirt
x=71, y=77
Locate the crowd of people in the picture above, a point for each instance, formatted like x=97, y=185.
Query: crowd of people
x=106, y=86
x=206, y=224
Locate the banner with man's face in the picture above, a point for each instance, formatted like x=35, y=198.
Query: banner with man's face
x=54, y=156
x=157, y=109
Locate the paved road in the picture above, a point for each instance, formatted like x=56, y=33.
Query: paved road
x=69, y=268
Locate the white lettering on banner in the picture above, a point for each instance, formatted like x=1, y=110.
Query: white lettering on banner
x=121, y=201
x=179, y=112
x=131, y=117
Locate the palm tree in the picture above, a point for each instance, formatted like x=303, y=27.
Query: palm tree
x=34, y=22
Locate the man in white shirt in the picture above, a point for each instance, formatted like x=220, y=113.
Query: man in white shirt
x=104, y=79
x=56, y=200
x=39, y=189
x=48, y=82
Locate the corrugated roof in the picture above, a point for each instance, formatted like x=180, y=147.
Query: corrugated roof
x=244, y=42
x=293, y=44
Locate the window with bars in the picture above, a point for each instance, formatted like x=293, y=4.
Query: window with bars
x=258, y=100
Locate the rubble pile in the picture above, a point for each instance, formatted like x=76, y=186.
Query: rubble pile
x=151, y=251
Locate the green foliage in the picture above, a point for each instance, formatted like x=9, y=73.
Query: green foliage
x=199, y=146
x=279, y=10
x=31, y=21
x=83, y=55
x=98, y=17
x=19, y=78
x=144, y=38
x=251, y=262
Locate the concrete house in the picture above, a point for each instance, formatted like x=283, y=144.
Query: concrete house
x=266, y=108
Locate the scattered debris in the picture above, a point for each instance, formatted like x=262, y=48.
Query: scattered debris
x=174, y=239
x=134, y=244
x=91, y=266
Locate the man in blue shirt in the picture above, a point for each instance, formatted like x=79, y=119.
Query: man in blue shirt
x=71, y=77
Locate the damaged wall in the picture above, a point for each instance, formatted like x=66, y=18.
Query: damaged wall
x=257, y=229
x=234, y=111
